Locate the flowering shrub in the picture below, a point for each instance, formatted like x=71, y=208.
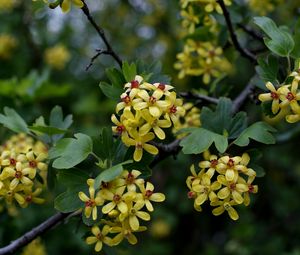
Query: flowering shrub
x=115, y=166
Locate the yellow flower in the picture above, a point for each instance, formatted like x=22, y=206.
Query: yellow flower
x=225, y=205
x=175, y=109
x=120, y=128
x=36, y=247
x=190, y=19
x=133, y=214
x=212, y=5
x=133, y=87
x=205, y=189
x=251, y=189
x=132, y=121
x=125, y=231
x=141, y=143
x=36, y=161
x=233, y=189
x=156, y=106
x=18, y=174
x=127, y=102
x=290, y=97
x=99, y=237
x=57, y=56
x=155, y=124
x=91, y=202
x=148, y=195
x=31, y=196
x=7, y=44
x=211, y=164
x=117, y=200
x=8, y=5
x=130, y=179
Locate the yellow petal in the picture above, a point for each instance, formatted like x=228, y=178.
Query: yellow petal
x=229, y=175
x=98, y=246
x=151, y=149
x=223, y=193
x=218, y=211
x=108, y=207
x=138, y=154
x=232, y=213
x=134, y=223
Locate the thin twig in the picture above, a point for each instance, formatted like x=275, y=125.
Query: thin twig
x=251, y=32
x=239, y=101
x=101, y=33
x=192, y=95
x=35, y=232
x=244, y=52
x=166, y=150
x=99, y=52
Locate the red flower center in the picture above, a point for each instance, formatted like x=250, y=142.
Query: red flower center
x=251, y=188
x=120, y=129
x=173, y=109
x=162, y=86
x=191, y=194
x=90, y=203
x=213, y=163
x=290, y=96
x=28, y=198
x=13, y=162
x=232, y=186
x=230, y=163
x=149, y=193
x=134, y=84
x=274, y=95
x=18, y=174
x=116, y=198
x=33, y=164
x=126, y=99
x=152, y=100
x=130, y=178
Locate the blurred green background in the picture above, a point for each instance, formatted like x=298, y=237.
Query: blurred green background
x=147, y=30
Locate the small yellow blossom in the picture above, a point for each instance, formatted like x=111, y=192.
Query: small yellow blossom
x=225, y=205
x=99, y=237
x=8, y=43
x=57, y=57
x=36, y=247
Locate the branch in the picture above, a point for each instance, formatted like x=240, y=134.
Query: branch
x=192, y=95
x=251, y=32
x=99, y=52
x=109, y=50
x=35, y=232
x=239, y=101
x=165, y=150
x=244, y=52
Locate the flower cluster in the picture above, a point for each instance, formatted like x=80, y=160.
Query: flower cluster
x=7, y=44
x=22, y=166
x=284, y=98
x=146, y=107
x=263, y=7
x=124, y=202
x=65, y=5
x=222, y=181
x=8, y=5
x=201, y=57
x=190, y=119
x=57, y=56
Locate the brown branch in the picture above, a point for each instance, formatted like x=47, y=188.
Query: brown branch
x=165, y=150
x=35, y=232
x=102, y=35
x=251, y=32
x=192, y=95
x=99, y=52
x=244, y=52
x=240, y=100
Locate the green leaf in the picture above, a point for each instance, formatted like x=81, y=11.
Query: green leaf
x=116, y=77
x=296, y=36
x=280, y=41
x=48, y=130
x=73, y=178
x=260, y=172
x=57, y=118
x=268, y=69
x=69, y=151
x=111, y=92
x=68, y=201
x=221, y=120
x=12, y=120
x=259, y=131
x=201, y=139
x=129, y=71
x=110, y=173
